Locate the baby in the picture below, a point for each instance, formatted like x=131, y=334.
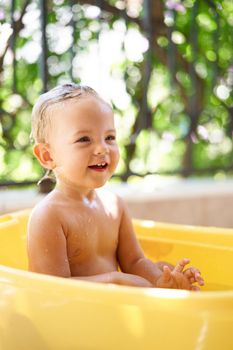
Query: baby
x=79, y=230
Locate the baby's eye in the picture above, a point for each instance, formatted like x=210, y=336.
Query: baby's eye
x=110, y=138
x=84, y=139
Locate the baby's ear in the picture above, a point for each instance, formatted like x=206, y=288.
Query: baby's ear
x=43, y=154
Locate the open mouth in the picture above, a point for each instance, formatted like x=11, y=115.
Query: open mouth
x=100, y=166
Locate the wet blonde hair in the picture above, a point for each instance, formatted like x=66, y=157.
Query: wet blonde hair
x=60, y=94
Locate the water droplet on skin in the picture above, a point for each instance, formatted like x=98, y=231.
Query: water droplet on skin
x=90, y=203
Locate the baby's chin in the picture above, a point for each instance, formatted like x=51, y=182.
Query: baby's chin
x=64, y=181
x=98, y=184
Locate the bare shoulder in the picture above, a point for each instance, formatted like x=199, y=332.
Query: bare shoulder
x=112, y=200
x=44, y=215
x=46, y=241
x=109, y=195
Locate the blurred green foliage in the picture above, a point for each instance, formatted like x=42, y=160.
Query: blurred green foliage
x=182, y=124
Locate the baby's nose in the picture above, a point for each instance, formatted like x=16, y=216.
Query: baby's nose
x=101, y=148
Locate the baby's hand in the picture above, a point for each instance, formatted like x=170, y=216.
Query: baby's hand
x=180, y=279
x=194, y=275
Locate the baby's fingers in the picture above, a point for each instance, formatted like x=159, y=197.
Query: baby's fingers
x=195, y=288
x=194, y=275
x=199, y=279
x=181, y=264
x=166, y=276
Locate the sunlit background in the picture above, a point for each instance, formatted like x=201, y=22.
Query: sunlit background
x=166, y=67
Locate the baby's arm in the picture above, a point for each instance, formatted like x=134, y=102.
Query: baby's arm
x=117, y=277
x=46, y=243
x=130, y=254
x=47, y=251
x=132, y=260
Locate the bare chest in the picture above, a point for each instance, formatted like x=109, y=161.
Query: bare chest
x=91, y=233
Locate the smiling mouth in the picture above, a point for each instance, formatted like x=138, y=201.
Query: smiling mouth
x=99, y=167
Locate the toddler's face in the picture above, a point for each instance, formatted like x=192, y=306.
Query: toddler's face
x=83, y=142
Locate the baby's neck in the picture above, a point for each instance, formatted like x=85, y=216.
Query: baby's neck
x=78, y=194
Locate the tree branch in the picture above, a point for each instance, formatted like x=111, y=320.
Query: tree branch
x=105, y=6
x=18, y=26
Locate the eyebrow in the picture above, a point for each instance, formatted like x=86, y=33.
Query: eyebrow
x=89, y=131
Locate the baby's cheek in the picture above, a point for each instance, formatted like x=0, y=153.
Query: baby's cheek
x=117, y=155
x=115, y=163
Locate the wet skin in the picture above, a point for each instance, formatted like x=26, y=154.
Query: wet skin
x=79, y=230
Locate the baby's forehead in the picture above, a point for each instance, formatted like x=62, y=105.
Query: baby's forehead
x=83, y=113
x=88, y=100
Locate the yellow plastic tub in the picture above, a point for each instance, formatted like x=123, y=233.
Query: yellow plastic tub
x=43, y=312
